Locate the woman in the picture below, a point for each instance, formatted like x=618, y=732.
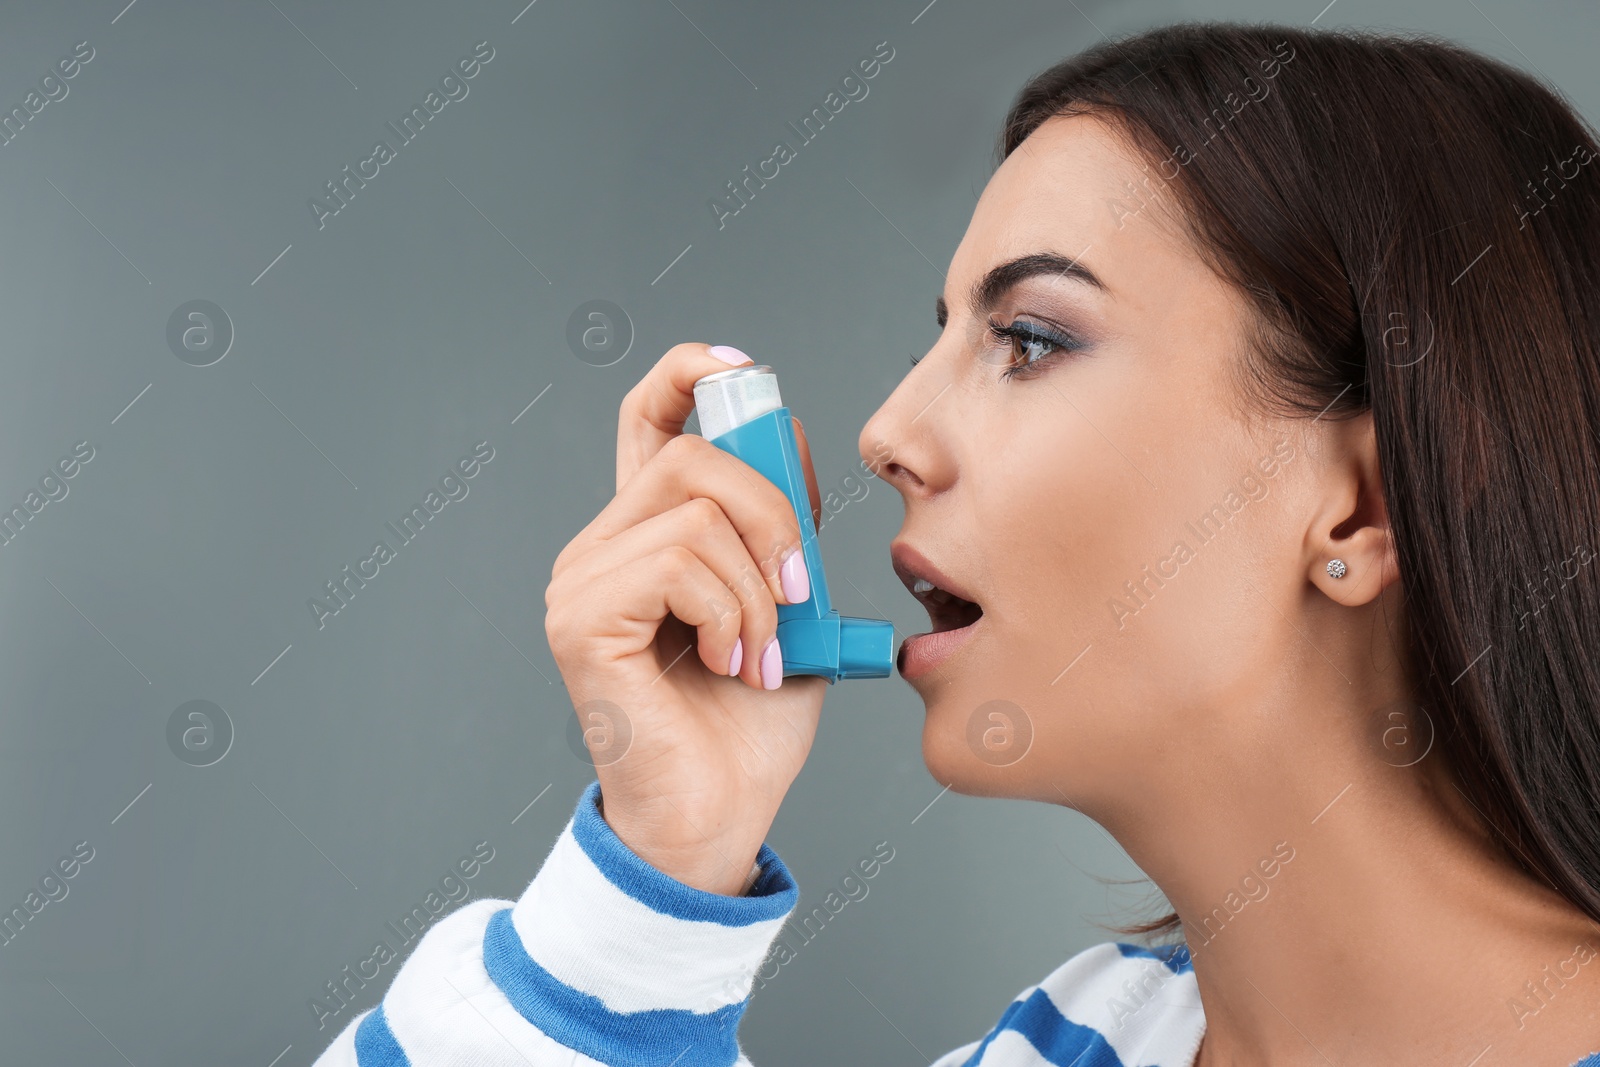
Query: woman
x=1255, y=476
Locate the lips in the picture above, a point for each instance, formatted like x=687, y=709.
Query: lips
x=951, y=609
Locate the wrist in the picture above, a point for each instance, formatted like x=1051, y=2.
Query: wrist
x=722, y=860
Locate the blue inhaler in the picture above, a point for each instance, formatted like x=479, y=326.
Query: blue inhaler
x=741, y=413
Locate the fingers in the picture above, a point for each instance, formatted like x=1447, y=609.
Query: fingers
x=744, y=603
x=643, y=591
x=654, y=411
x=689, y=467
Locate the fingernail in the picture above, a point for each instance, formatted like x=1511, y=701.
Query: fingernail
x=729, y=354
x=794, y=578
x=737, y=658
x=771, y=665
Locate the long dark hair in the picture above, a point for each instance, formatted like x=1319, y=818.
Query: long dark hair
x=1417, y=228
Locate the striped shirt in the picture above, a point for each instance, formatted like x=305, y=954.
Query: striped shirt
x=605, y=960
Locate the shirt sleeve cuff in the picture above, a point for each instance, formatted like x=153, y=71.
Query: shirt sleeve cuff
x=604, y=951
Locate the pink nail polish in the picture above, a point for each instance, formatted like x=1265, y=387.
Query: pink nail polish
x=794, y=578
x=737, y=658
x=771, y=665
x=729, y=354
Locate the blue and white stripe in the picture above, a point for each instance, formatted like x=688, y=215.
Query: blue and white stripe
x=1112, y=1005
x=586, y=928
x=606, y=962
x=603, y=956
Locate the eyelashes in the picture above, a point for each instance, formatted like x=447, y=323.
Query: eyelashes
x=1033, y=346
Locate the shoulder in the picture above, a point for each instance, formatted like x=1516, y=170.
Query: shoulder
x=1111, y=1003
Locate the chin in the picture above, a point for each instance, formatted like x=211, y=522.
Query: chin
x=954, y=760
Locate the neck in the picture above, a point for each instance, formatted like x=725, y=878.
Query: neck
x=1340, y=909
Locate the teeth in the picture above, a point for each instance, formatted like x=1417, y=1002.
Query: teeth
x=922, y=585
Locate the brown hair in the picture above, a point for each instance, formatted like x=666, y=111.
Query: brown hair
x=1417, y=228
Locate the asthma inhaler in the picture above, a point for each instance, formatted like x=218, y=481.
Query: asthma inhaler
x=741, y=413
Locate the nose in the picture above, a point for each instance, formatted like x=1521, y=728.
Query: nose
x=908, y=440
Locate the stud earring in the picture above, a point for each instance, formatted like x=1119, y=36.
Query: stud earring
x=1336, y=568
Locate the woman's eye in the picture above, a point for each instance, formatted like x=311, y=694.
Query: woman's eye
x=1031, y=345
x=1032, y=348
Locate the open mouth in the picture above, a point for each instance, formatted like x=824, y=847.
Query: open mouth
x=946, y=611
x=948, y=605
x=951, y=610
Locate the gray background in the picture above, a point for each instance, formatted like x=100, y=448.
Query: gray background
x=375, y=353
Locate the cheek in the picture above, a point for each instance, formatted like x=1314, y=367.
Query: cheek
x=1049, y=511
x=1189, y=605
x=1069, y=516
x=1118, y=617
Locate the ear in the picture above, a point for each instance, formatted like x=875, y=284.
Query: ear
x=1353, y=523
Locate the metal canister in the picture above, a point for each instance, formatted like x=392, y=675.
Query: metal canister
x=728, y=399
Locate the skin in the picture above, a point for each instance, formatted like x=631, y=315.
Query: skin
x=1239, y=716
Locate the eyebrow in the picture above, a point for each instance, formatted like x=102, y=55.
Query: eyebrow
x=988, y=290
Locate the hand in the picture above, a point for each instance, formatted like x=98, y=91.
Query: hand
x=644, y=610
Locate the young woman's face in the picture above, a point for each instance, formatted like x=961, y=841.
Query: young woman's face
x=1130, y=531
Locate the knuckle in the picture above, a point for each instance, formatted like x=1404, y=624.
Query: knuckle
x=561, y=568
x=562, y=561
x=681, y=449
x=557, y=628
x=677, y=563
x=724, y=607
x=704, y=514
x=553, y=591
x=704, y=520
x=632, y=401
